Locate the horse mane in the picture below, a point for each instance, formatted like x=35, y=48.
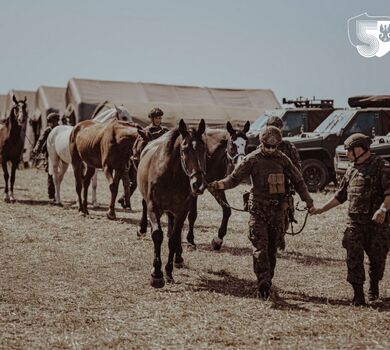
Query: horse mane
x=98, y=108
x=172, y=136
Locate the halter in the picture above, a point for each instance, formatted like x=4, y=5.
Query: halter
x=195, y=172
x=233, y=158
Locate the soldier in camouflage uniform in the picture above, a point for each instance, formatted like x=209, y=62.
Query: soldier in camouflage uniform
x=155, y=131
x=40, y=147
x=366, y=185
x=269, y=169
x=290, y=151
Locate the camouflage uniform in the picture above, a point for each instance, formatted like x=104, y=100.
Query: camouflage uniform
x=365, y=185
x=266, y=202
x=130, y=174
x=290, y=151
x=40, y=147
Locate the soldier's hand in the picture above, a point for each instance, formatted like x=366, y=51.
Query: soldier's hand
x=215, y=185
x=315, y=211
x=379, y=217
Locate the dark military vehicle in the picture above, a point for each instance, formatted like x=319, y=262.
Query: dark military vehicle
x=306, y=116
x=317, y=149
x=380, y=146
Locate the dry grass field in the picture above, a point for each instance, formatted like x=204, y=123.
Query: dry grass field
x=69, y=282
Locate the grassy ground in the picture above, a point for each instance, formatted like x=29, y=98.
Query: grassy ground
x=68, y=282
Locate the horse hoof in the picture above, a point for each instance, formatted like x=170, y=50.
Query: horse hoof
x=95, y=205
x=191, y=247
x=216, y=243
x=157, y=282
x=141, y=234
x=58, y=204
x=179, y=264
x=82, y=214
x=111, y=216
x=169, y=279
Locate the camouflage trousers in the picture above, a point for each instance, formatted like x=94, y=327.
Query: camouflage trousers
x=265, y=230
x=371, y=238
x=129, y=180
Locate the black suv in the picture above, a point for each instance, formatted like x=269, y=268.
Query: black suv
x=307, y=115
x=317, y=149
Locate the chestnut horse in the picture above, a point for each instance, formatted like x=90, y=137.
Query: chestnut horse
x=171, y=172
x=12, y=137
x=225, y=150
x=106, y=146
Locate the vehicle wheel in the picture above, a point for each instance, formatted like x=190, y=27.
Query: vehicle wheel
x=315, y=174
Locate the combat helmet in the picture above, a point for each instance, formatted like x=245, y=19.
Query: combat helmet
x=53, y=118
x=275, y=121
x=155, y=112
x=270, y=135
x=357, y=140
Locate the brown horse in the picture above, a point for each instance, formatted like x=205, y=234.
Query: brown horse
x=12, y=136
x=224, y=151
x=104, y=146
x=171, y=171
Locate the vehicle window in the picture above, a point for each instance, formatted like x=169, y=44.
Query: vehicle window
x=364, y=122
x=335, y=122
x=258, y=124
x=293, y=122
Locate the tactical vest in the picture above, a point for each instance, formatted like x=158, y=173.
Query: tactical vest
x=363, y=189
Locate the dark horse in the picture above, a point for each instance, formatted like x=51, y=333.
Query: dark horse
x=106, y=146
x=224, y=151
x=171, y=172
x=12, y=135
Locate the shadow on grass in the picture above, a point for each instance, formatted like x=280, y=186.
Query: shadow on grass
x=242, y=288
x=303, y=297
x=308, y=260
x=235, y=251
x=34, y=202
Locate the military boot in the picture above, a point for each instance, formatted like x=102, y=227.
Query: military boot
x=358, y=296
x=373, y=292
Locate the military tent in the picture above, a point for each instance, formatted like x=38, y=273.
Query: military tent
x=215, y=105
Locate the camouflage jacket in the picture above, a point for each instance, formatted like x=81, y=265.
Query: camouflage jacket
x=291, y=151
x=263, y=169
x=156, y=131
x=365, y=186
x=40, y=147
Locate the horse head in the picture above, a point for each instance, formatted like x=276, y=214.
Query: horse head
x=123, y=114
x=237, y=142
x=19, y=110
x=145, y=136
x=193, y=156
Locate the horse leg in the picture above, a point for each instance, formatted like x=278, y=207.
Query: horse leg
x=157, y=277
x=113, y=185
x=13, y=173
x=95, y=204
x=133, y=181
x=144, y=220
x=6, y=177
x=86, y=181
x=78, y=175
x=174, y=245
x=226, y=212
x=59, y=172
x=192, y=215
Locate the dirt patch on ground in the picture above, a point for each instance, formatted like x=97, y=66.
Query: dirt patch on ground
x=72, y=282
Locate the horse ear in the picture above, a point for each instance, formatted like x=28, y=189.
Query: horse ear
x=230, y=129
x=183, y=128
x=201, y=127
x=246, y=127
x=14, y=99
x=25, y=99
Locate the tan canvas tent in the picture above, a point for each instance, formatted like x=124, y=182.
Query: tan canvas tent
x=216, y=106
x=48, y=99
x=20, y=94
x=2, y=106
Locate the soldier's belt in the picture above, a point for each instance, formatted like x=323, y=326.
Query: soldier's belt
x=268, y=202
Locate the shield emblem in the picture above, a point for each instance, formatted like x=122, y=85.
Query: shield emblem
x=370, y=34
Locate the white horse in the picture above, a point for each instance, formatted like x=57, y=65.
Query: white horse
x=59, y=153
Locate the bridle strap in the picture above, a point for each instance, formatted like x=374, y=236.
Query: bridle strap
x=195, y=172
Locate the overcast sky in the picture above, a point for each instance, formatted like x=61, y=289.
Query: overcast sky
x=301, y=49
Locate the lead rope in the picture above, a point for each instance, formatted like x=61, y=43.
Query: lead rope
x=292, y=233
x=216, y=195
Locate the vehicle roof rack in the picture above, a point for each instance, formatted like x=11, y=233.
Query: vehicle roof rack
x=302, y=102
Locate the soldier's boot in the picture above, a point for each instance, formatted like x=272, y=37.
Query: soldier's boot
x=373, y=292
x=358, y=296
x=264, y=288
x=50, y=187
